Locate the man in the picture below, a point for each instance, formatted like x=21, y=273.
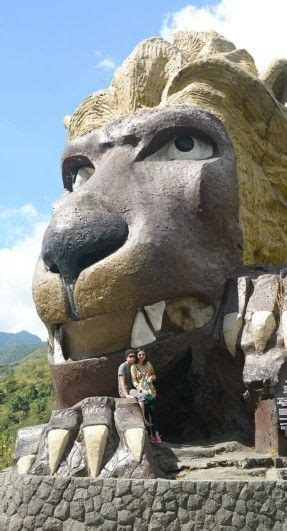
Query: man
x=125, y=385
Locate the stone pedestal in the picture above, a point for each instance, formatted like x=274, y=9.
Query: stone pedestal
x=78, y=504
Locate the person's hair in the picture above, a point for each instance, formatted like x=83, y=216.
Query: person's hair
x=146, y=358
x=128, y=352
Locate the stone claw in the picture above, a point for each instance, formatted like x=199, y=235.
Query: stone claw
x=135, y=438
x=255, y=322
x=99, y=436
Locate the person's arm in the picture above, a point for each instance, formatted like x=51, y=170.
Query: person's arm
x=152, y=376
x=134, y=377
x=123, y=385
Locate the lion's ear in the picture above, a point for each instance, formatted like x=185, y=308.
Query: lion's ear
x=275, y=78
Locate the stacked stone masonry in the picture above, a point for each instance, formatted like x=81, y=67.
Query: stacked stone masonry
x=36, y=502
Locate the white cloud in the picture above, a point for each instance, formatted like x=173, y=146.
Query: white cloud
x=29, y=210
x=17, y=264
x=255, y=25
x=106, y=63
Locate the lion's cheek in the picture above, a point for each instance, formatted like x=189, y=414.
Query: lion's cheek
x=49, y=295
x=107, y=288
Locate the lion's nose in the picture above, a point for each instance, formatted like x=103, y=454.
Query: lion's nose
x=77, y=238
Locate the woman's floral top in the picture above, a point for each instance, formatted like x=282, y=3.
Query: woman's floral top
x=140, y=375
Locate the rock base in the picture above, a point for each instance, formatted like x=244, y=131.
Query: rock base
x=37, y=502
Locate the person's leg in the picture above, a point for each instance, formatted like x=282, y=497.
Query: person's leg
x=148, y=416
x=154, y=419
x=139, y=397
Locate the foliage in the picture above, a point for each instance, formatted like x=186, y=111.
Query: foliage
x=26, y=399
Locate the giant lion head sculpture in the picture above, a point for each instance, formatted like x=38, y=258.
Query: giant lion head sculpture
x=174, y=176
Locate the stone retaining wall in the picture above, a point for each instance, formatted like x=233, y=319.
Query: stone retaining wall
x=38, y=502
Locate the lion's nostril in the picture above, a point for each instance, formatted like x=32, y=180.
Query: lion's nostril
x=94, y=257
x=54, y=268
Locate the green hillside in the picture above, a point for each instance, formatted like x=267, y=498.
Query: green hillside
x=15, y=347
x=26, y=399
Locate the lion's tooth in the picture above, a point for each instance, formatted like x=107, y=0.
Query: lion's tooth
x=232, y=323
x=24, y=463
x=57, y=443
x=58, y=352
x=141, y=333
x=155, y=314
x=135, y=439
x=95, y=441
x=262, y=325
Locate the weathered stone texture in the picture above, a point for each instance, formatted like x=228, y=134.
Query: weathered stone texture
x=86, y=503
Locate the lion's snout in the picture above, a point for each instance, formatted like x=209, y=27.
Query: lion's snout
x=79, y=237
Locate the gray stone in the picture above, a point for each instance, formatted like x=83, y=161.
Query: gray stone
x=71, y=525
x=210, y=507
x=238, y=521
x=223, y=517
x=158, y=505
x=125, y=518
x=35, y=506
x=69, y=492
x=241, y=507
x=171, y=505
x=123, y=487
x=89, y=505
x=48, y=509
x=108, y=511
x=15, y=523
x=77, y=511
x=228, y=502
x=183, y=515
x=62, y=510
x=268, y=508
x=80, y=494
x=137, y=488
x=52, y=524
x=203, y=488
x=107, y=493
x=3, y=519
x=251, y=520
x=55, y=495
x=93, y=519
x=194, y=502
x=22, y=511
x=11, y=509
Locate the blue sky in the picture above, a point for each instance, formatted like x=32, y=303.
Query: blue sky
x=50, y=53
x=53, y=54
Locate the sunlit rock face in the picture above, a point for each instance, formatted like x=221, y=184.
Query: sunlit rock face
x=174, y=188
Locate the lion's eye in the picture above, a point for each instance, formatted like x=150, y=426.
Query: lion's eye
x=185, y=147
x=82, y=176
x=189, y=147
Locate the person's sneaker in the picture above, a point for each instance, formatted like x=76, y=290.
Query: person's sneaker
x=152, y=439
x=157, y=439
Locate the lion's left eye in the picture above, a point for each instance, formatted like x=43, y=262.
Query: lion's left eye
x=185, y=147
x=82, y=176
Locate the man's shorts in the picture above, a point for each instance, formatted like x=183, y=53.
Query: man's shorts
x=136, y=394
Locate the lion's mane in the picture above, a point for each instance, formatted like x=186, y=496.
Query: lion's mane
x=207, y=71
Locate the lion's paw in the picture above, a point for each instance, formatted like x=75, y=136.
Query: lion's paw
x=255, y=323
x=99, y=436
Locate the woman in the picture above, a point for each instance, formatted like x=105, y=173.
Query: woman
x=143, y=376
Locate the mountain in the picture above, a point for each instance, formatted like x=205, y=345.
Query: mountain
x=14, y=347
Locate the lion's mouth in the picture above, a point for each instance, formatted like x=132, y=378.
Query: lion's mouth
x=103, y=335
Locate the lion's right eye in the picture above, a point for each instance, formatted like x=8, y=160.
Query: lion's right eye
x=82, y=176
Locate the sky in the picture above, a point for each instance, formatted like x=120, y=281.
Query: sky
x=53, y=54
